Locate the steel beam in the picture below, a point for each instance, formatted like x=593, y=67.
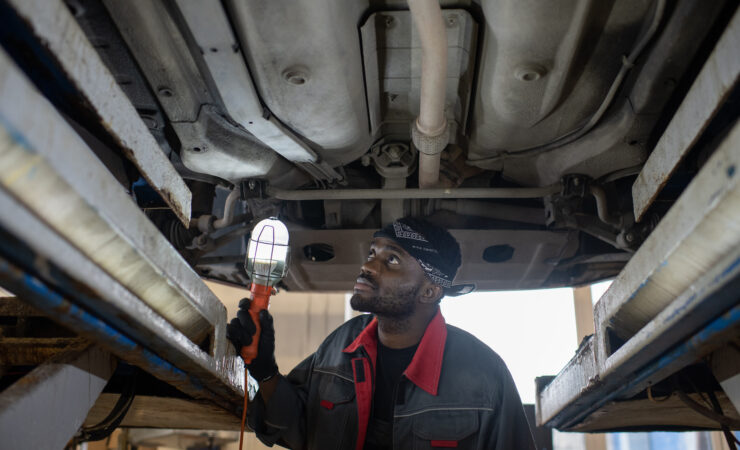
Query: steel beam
x=46, y=407
x=589, y=380
x=47, y=167
x=27, y=351
x=107, y=298
x=63, y=209
x=151, y=411
x=372, y=194
x=686, y=274
x=45, y=298
x=694, y=236
x=712, y=86
x=54, y=26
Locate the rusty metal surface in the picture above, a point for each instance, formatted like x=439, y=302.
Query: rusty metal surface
x=37, y=293
x=11, y=306
x=668, y=412
x=104, y=296
x=30, y=351
x=41, y=159
x=157, y=412
x=587, y=383
x=56, y=29
x=711, y=88
x=120, y=265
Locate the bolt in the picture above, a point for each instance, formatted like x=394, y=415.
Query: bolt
x=394, y=152
x=389, y=21
x=165, y=92
x=365, y=160
x=629, y=237
x=150, y=122
x=452, y=21
x=252, y=185
x=576, y=181
x=296, y=76
x=529, y=72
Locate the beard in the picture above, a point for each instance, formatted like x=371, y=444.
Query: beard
x=398, y=304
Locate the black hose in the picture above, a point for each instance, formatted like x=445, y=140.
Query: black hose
x=106, y=426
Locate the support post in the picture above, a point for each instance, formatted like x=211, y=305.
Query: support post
x=584, y=310
x=726, y=368
x=46, y=407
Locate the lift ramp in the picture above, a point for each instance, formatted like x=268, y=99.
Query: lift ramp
x=677, y=301
x=74, y=245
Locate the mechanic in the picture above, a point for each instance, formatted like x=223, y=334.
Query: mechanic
x=398, y=378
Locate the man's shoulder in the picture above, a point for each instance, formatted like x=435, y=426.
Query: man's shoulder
x=467, y=349
x=472, y=370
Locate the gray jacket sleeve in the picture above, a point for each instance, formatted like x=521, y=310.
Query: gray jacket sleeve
x=510, y=429
x=283, y=420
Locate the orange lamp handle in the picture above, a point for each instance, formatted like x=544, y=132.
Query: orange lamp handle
x=260, y=300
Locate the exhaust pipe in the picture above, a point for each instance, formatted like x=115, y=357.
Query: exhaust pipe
x=430, y=134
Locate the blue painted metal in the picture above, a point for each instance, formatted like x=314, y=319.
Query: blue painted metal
x=713, y=293
x=41, y=296
x=724, y=324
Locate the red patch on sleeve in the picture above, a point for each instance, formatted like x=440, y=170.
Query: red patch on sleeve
x=327, y=404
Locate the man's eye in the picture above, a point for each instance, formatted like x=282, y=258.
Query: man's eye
x=393, y=259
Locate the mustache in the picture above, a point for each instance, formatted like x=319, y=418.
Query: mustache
x=368, y=279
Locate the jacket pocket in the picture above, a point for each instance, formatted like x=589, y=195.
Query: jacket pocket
x=446, y=429
x=331, y=423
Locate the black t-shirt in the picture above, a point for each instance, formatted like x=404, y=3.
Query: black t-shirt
x=389, y=367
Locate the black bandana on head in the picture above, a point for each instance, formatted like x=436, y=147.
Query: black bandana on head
x=439, y=264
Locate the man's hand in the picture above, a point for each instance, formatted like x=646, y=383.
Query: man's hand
x=240, y=331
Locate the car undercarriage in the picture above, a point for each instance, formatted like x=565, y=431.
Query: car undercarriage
x=304, y=110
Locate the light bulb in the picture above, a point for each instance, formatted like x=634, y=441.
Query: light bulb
x=268, y=252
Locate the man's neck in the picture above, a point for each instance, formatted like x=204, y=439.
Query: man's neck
x=406, y=332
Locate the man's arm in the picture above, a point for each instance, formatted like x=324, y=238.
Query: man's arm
x=278, y=414
x=510, y=429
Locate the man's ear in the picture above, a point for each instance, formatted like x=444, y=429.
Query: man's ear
x=431, y=293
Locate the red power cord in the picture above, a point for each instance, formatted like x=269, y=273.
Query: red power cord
x=260, y=300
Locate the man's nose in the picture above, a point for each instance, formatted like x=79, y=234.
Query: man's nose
x=370, y=267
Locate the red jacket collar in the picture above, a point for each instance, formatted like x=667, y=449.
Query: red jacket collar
x=426, y=365
x=368, y=339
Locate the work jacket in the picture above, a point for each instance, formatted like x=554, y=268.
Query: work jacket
x=455, y=393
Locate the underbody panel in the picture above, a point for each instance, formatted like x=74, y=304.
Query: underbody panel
x=296, y=106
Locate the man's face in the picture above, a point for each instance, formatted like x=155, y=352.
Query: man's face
x=389, y=282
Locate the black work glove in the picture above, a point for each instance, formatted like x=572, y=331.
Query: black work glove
x=240, y=331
